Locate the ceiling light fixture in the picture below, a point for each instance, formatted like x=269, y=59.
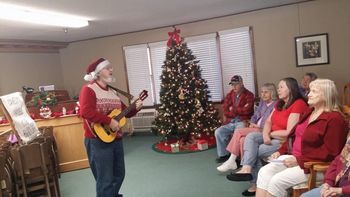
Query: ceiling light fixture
x=25, y=14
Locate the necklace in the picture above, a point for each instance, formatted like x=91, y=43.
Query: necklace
x=315, y=114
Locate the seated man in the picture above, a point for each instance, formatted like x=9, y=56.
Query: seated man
x=305, y=82
x=238, y=106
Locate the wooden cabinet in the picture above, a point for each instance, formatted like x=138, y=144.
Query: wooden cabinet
x=69, y=135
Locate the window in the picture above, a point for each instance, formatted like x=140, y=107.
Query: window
x=233, y=48
x=236, y=57
x=205, y=48
x=157, y=51
x=138, y=71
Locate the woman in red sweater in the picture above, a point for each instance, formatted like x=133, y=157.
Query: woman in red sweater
x=336, y=182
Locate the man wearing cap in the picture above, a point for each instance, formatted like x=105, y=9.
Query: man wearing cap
x=238, y=106
x=96, y=101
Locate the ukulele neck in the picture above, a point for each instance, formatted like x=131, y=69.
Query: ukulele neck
x=127, y=110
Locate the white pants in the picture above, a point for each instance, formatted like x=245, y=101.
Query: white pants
x=276, y=178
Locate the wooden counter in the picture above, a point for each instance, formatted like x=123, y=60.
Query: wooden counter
x=69, y=135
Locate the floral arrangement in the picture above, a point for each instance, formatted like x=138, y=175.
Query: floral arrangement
x=44, y=99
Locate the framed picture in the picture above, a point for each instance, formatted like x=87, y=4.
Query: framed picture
x=312, y=50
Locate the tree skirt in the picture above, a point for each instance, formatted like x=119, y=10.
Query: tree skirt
x=175, y=146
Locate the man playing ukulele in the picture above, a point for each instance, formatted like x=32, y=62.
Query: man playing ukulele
x=96, y=101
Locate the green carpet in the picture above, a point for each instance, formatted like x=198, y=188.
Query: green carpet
x=151, y=174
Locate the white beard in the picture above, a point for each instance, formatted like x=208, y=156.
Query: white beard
x=110, y=79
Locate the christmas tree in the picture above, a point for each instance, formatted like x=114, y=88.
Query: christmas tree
x=185, y=112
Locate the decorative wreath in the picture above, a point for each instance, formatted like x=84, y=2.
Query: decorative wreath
x=44, y=99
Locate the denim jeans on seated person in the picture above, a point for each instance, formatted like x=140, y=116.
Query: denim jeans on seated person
x=107, y=165
x=316, y=193
x=255, y=150
x=222, y=135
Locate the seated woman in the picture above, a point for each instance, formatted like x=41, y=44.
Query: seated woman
x=283, y=118
x=336, y=181
x=235, y=147
x=319, y=136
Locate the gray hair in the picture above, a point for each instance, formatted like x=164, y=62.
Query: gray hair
x=312, y=76
x=271, y=87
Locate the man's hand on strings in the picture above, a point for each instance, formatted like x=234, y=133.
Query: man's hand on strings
x=114, y=125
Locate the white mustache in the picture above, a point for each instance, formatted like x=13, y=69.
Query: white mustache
x=110, y=79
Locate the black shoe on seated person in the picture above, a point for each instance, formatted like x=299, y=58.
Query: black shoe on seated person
x=240, y=177
x=248, y=193
x=222, y=159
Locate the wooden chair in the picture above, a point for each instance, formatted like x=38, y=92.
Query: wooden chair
x=6, y=186
x=315, y=169
x=47, y=132
x=346, y=94
x=6, y=174
x=346, y=100
x=30, y=173
x=49, y=165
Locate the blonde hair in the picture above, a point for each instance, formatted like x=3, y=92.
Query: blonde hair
x=330, y=93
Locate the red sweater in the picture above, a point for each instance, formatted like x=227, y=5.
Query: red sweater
x=333, y=170
x=95, y=105
x=323, y=139
x=244, y=108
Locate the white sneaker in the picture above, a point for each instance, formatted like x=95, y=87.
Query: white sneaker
x=226, y=166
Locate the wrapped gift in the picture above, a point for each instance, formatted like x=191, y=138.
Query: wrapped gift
x=202, y=144
x=175, y=147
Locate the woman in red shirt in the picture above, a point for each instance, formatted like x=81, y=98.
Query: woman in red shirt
x=319, y=136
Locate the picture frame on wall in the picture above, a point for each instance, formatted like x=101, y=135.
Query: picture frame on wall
x=312, y=50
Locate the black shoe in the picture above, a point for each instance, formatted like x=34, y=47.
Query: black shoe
x=248, y=193
x=238, y=162
x=240, y=177
x=222, y=159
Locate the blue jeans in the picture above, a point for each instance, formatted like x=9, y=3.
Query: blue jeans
x=222, y=135
x=255, y=150
x=312, y=193
x=107, y=165
x=316, y=193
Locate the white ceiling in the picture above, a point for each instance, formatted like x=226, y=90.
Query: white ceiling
x=111, y=17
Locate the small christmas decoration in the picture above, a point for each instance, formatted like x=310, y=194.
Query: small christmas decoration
x=12, y=138
x=175, y=147
x=202, y=144
x=77, y=108
x=182, y=94
x=45, y=112
x=44, y=99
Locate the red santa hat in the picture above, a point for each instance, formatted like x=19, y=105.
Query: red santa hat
x=94, y=68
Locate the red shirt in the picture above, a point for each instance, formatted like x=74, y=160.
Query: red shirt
x=333, y=170
x=299, y=131
x=279, y=119
x=323, y=138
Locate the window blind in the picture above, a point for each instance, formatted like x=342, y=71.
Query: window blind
x=137, y=66
x=236, y=57
x=205, y=48
x=157, y=54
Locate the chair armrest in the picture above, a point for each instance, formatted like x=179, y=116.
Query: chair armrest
x=314, y=168
x=312, y=164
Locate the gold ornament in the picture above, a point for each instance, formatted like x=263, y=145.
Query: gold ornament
x=182, y=94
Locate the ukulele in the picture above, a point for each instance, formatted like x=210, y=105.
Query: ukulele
x=105, y=133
